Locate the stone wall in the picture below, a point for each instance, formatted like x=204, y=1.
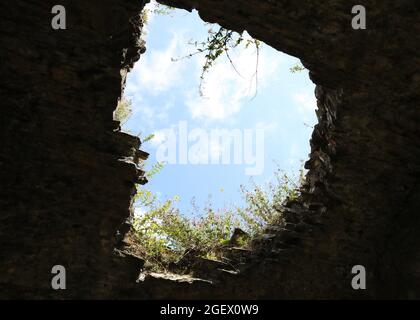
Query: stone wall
x=64, y=189
x=68, y=174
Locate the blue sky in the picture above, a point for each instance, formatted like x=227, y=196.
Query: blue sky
x=165, y=96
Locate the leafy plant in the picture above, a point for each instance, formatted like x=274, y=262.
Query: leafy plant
x=157, y=8
x=124, y=110
x=219, y=43
x=148, y=137
x=162, y=9
x=165, y=234
x=156, y=168
x=298, y=67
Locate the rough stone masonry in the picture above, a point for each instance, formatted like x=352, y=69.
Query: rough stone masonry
x=67, y=174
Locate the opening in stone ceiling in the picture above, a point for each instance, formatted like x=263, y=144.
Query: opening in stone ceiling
x=226, y=145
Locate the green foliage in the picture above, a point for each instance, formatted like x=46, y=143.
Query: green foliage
x=297, y=68
x=156, y=168
x=148, y=138
x=165, y=234
x=219, y=43
x=158, y=8
x=162, y=9
x=124, y=110
x=144, y=16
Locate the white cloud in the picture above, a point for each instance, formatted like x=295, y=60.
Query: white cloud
x=224, y=91
x=268, y=127
x=156, y=72
x=306, y=102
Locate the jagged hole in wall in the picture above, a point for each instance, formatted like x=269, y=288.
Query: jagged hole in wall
x=221, y=142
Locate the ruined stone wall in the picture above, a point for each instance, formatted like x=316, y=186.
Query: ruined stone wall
x=64, y=190
x=65, y=193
